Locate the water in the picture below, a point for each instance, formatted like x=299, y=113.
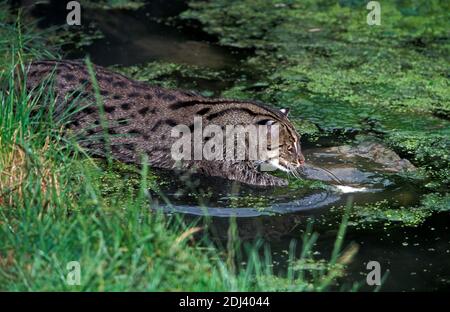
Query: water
x=365, y=181
x=416, y=257
x=147, y=40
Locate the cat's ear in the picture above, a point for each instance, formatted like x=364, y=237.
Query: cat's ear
x=285, y=111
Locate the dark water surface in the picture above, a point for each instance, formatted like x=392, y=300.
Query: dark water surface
x=417, y=258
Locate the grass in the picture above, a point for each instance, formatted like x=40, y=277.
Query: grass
x=53, y=211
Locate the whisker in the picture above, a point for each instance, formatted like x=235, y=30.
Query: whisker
x=328, y=172
x=293, y=172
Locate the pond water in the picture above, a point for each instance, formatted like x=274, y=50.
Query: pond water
x=363, y=180
x=417, y=257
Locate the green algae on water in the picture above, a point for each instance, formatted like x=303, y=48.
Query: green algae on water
x=322, y=60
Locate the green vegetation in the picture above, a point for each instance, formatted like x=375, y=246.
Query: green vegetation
x=321, y=59
x=365, y=216
x=113, y=4
x=54, y=209
x=258, y=202
x=383, y=212
x=339, y=75
x=435, y=202
x=170, y=75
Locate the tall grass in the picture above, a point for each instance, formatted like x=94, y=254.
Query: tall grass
x=52, y=212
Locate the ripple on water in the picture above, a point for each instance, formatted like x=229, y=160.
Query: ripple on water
x=362, y=178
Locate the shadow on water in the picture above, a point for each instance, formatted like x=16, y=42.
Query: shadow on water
x=278, y=214
x=137, y=36
x=131, y=39
x=222, y=198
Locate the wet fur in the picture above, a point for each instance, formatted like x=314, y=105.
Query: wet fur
x=140, y=117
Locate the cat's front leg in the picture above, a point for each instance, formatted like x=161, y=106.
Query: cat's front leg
x=241, y=172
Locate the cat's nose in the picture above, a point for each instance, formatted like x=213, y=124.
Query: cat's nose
x=301, y=160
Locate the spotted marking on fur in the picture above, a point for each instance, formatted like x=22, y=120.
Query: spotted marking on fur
x=74, y=123
x=129, y=146
x=90, y=109
x=170, y=122
x=109, y=109
x=133, y=94
x=125, y=106
x=119, y=84
x=143, y=111
x=107, y=79
x=69, y=77
x=134, y=131
x=167, y=97
x=203, y=111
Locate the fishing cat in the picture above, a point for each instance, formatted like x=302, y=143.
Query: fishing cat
x=139, y=118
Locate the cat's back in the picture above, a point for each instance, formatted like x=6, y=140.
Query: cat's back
x=122, y=97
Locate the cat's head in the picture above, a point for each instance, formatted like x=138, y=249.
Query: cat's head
x=285, y=154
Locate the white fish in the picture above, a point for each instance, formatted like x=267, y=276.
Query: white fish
x=350, y=189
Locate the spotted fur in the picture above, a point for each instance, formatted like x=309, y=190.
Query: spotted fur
x=140, y=116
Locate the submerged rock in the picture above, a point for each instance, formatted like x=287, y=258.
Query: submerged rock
x=369, y=165
x=377, y=153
